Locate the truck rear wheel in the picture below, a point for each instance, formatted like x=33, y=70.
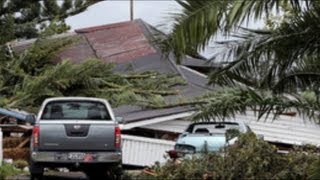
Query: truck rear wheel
x=113, y=173
x=36, y=171
x=36, y=176
x=96, y=174
x=116, y=172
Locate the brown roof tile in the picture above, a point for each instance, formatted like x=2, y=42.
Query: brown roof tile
x=120, y=42
x=77, y=52
x=102, y=27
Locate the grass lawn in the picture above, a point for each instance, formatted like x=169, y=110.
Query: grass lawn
x=7, y=170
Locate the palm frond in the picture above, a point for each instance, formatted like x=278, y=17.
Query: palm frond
x=227, y=103
x=274, y=59
x=200, y=20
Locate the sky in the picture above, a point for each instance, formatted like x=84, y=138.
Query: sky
x=154, y=12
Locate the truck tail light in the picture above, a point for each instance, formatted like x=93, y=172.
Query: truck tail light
x=117, y=135
x=36, y=134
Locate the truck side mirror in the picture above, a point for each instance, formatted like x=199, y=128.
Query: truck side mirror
x=119, y=120
x=31, y=119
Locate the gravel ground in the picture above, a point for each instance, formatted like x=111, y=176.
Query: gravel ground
x=56, y=176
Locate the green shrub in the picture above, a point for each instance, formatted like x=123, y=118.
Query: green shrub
x=250, y=158
x=315, y=171
x=20, y=164
x=7, y=170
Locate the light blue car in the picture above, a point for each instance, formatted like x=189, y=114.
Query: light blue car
x=208, y=136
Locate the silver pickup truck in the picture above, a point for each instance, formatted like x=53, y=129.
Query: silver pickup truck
x=77, y=133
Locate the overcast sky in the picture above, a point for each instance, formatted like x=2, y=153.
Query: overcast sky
x=106, y=12
x=154, y=12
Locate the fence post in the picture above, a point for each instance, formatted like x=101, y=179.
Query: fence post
x=1, y=150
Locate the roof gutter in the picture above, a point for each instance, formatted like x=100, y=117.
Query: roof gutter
x=156, y=120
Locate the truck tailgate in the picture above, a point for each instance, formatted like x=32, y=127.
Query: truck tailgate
x=76, y=135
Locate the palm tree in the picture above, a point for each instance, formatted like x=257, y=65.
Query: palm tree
x=270, y=69
x=265, y=69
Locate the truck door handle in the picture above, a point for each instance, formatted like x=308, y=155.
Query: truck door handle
x=76, y=132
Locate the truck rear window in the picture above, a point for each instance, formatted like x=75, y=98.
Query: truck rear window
x=84, y=110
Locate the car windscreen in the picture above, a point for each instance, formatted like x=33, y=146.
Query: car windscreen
x=82, y=110
x=213, y=128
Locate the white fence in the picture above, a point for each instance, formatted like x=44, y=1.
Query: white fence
x=141, y=151
x=137, y=151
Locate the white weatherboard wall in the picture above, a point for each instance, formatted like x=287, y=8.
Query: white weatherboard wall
x=141, y=151
x=285, y=129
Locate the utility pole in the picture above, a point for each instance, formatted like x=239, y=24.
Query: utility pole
x=131, y=10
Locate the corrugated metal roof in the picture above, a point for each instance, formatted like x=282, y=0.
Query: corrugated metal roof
x=285, y=129
x=141, y=151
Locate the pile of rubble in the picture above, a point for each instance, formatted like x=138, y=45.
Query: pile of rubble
x=16, y=134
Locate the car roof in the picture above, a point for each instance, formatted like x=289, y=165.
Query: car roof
x=74, y=98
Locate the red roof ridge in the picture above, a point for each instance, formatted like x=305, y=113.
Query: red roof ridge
x=104, y=27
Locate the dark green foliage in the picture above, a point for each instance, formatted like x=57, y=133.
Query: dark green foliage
x=267, y=70
x=27, y=78
x=315, y=170
x=226, y=103
x=285, y=59
x=199, y=21
x=232, y=133
x=19, y=18
x=7, y=170
x=282, y=61
x=250, y=158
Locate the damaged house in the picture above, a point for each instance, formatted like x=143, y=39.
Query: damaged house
x=149, y=133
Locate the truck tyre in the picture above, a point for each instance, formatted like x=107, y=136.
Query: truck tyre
x=96, y=175
x=36, y=176
x=113, y=173
x=116, y=173
x=36, y=171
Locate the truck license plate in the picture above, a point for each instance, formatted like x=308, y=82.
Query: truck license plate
x=76, y=156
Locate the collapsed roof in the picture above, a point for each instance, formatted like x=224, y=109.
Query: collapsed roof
x=130, y=45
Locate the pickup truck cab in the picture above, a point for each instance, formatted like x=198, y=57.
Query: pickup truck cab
x=77, y=133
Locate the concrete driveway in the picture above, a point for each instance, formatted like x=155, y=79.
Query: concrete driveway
x=57, y=176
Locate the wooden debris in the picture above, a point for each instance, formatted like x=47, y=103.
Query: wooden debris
x=24, y=143
x=149, y=171
x=16, y=153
